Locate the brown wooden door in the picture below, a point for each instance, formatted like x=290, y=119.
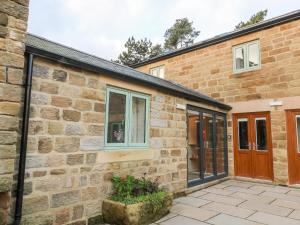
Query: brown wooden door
x=293, y=144
x=253, y=145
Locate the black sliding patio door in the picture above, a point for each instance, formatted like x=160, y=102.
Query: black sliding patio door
x=207, y=145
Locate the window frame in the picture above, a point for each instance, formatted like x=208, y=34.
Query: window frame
x=128, y=118
x=246, y=46
x=155, y=68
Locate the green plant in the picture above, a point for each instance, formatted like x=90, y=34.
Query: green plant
x=132, y=190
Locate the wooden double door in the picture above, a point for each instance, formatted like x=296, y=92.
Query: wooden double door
x=293, y=145
x=253, y=145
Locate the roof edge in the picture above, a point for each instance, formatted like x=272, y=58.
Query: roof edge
x=79, y=64
x=285, y=18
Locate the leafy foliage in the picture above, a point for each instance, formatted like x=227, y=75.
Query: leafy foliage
x=138, y=51
x=258, y=17
x=131, y=190
x=181, y=34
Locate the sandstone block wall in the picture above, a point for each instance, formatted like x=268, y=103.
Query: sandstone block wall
x=209, y=70
x=13, y=25
x=68, y=169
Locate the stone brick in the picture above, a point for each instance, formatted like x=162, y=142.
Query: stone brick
x=35, y=204
x=95, y=220
x=74, y=129
x=11, y=93
x=93, y=117
x=8, y=123
x=91, y=158
x=35, y=127
x=34, y=161
x=39, y=98
x=12, y=8
x=60, y=75
x=75, y=159
x=81, y=222
x=45, y=145
x=54, y=160
x=55, y=128
x=38, y=219
x=10, y=108
x=50, y=113
x=99, y=107
x=3, y=19
x=7, y=151
x=15, y=76
x=8, y=137
x=60, y=101
x=49, y=88
x=39, y=173
x=92, y=143
x=71, y=115
x=67, y=144
x=5, y=183
x=77, y=212
x=76, y=80
x=65, y=198
x=83, y=105
x=62, y=216
x=92, y=94
x=40, y=71
x=57, y=171
x=6, y=166
x=2, y=72
x=90, y=193
x=96, y=130
x=11, y=59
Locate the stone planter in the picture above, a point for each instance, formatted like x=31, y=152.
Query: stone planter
x=134, y=214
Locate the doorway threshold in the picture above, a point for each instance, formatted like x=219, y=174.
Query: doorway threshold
x=192, y=189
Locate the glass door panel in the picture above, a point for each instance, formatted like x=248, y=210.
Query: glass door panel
x=193, y=153
x=243, y=134
x=208, y=144
x=220, y=144
x=260, y=134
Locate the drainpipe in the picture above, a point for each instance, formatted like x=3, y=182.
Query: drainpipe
x=24, y=137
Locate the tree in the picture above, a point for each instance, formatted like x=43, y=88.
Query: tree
x=138, y=51
x=181, y=34
x=258, y=17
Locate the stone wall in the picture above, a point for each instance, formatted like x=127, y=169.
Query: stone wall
x=209, y=70
x=68, y=170
x=13, y=25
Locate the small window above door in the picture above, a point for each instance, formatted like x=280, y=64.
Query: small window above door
x=246, y=57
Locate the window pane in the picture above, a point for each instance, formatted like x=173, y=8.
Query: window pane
x=220, y=138
x=253, y=55
x=239, y=58
x=193, y=147
x=298, y=132
x=138, y=120
x=207, y=136
x=116, y=118
x=261, y=134
x=243, y=133
x=161, y=72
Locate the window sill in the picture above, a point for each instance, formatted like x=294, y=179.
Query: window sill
x=246, y=71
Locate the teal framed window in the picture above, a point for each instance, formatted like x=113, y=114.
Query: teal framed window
x=126, y=119
x=246, y=57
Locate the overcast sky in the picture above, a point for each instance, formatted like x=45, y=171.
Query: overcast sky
x=101, y=27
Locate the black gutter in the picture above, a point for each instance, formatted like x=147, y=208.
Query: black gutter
x=24, y=136
x=224, y=37
x=82, y=65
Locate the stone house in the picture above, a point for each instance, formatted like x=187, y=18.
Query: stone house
x=70, y=121
x=255, y=70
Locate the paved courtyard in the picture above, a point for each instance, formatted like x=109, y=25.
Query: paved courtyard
x=237, y=203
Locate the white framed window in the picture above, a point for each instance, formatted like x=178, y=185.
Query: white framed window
x=126, y=119
x=158, y=71
x=246, y=57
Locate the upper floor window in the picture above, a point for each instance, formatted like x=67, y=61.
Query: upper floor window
x=158, y=71
x=246, y=57
x=126, y=118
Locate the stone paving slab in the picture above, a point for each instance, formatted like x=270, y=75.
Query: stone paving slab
x=223, y=219
x=262, y=207
x=287, y=204
x=181, y=220
x=251, y=197
x=191, y=201
x=270, y=219
x=228, y=209
x=295, y=215
x=237, y=203
x=222, y=199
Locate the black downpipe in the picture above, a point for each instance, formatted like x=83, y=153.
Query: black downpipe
x=24, y=136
